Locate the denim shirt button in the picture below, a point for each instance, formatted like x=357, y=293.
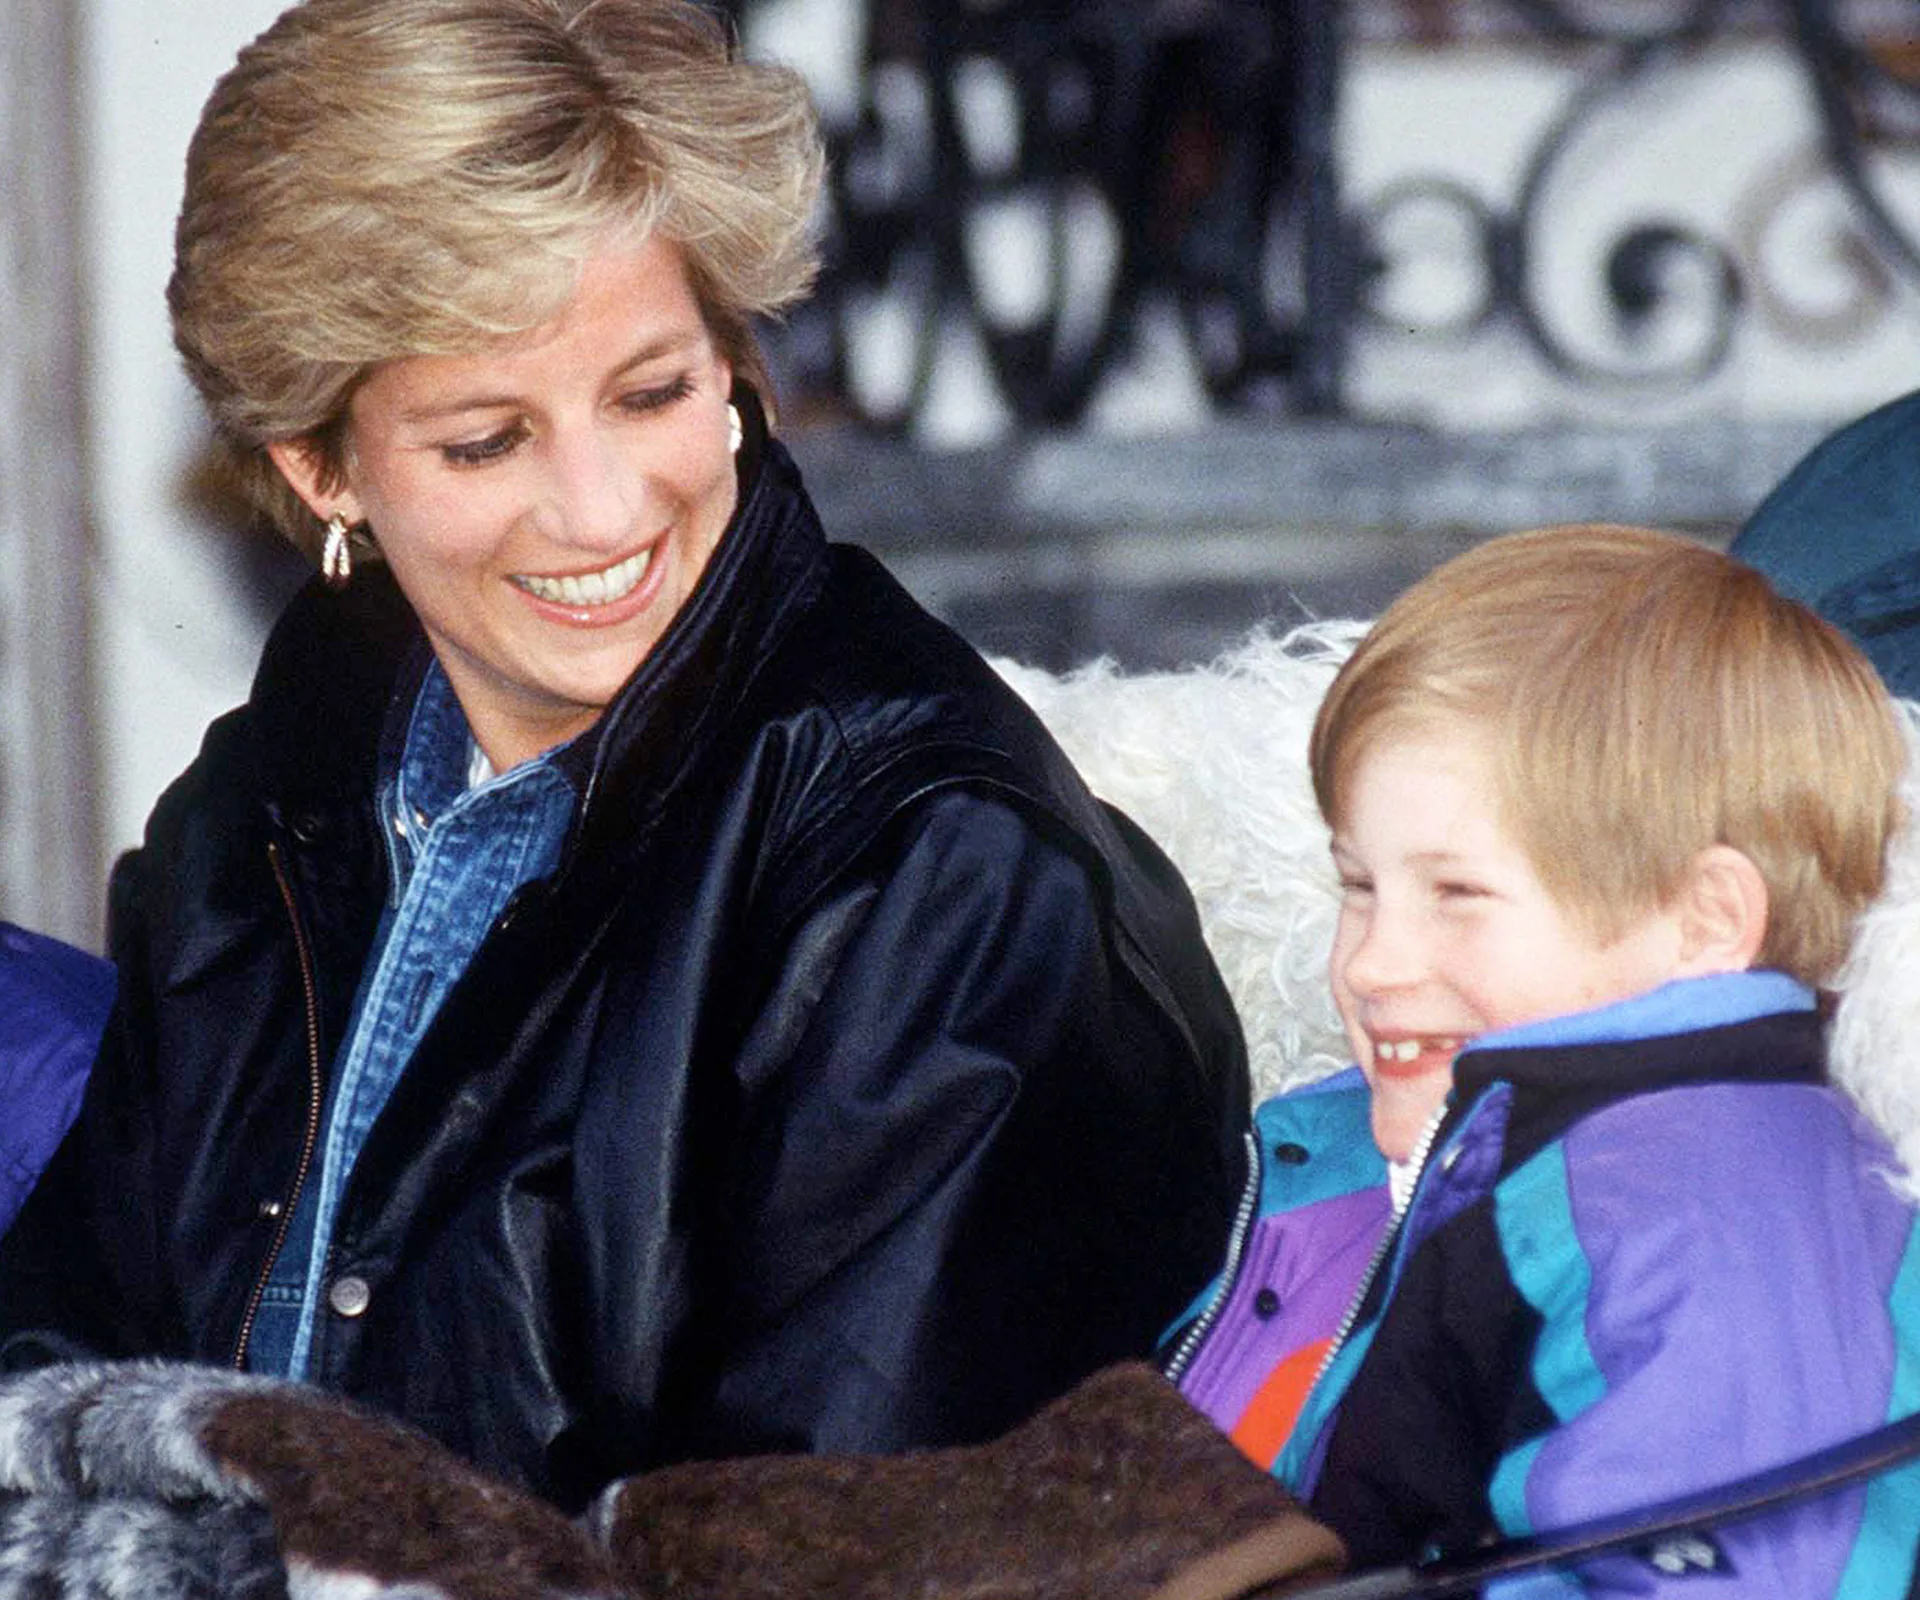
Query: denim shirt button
x=349, y=1296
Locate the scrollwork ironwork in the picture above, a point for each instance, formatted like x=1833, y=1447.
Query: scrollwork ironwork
x=1043, y=173
x=1862, y=100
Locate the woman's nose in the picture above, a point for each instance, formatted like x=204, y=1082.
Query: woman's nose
x=599, y=491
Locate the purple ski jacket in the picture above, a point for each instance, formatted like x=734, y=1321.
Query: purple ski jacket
x=1250, y=1347
x=1651, y=1250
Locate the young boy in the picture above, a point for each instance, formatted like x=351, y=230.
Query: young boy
x=1604, y=807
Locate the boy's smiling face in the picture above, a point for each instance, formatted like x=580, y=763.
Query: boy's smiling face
x=1446, y=931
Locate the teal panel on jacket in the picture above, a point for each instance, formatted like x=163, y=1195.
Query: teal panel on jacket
x=1330, y=1127
x=1533, y=1213
x=1299, y=1464
x=1887, y=1552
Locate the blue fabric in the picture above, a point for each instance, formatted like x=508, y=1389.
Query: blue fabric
x=1551, y=1271
x=1685, y=1005
x=1841, y=534
x=1332, y=1118
x=456, y=856
x=1889, y=1552
x=53, y=1003
x=1335, y=1112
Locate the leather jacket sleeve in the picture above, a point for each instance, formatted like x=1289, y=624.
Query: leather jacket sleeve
x=975, y=1164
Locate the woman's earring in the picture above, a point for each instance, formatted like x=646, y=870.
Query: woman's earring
x=735, y=431
x=336, y=555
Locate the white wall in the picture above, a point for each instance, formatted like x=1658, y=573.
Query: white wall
x=174, y=645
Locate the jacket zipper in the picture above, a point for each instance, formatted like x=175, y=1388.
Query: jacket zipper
x=1381, y=1251
x=315, y=1099
x=1176, y=1365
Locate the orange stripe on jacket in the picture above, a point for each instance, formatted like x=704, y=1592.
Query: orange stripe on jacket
x=1262, y=1430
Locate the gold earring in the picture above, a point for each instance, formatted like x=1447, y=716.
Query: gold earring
x=735, y=431
x=336, y=555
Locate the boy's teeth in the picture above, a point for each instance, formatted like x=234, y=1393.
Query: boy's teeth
x=1409, y=1049
x=590, y=589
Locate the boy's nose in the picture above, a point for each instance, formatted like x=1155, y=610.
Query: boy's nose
x=1386, y=956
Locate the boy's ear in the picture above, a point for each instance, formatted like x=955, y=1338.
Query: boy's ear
x=299, y=464
x=1722, y=908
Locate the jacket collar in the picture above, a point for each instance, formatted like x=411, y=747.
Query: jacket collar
x=341, y=666
x=1550, y=1087
x=766, y=573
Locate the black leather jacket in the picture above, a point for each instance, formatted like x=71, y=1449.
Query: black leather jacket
x=857, y=1081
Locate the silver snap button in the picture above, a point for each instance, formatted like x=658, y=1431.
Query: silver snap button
x=270, y=1209
x=349, y=1297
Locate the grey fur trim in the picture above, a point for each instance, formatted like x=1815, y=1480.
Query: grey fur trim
x=168, y=1481
x=115, y=1548
x=128, y=1428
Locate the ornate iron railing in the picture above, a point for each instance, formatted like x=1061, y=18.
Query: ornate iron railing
x=1043, y=170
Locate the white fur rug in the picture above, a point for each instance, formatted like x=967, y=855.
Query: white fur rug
x=1211, y=761
x=1875, y=1043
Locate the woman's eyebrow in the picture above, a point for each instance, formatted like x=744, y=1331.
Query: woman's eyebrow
x=653, y=350
x=453, y=408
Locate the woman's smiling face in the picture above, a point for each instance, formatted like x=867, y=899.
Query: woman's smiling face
x=547, y=506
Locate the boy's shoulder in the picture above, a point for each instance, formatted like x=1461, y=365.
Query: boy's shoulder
x=1316, y=1143
x=1751, y=1027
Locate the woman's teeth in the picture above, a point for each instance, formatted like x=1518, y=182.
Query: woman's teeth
x=591, y=588
x=1410, y=1049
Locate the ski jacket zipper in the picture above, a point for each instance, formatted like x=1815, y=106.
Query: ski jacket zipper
x=1176, y=1364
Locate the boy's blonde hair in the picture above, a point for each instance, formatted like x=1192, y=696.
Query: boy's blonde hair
x=1644, y=697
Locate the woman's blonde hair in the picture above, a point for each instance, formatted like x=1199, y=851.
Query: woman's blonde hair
x=1643, y=697
x=376, y=179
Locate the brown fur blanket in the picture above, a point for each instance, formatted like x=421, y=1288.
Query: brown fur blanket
x=172, y=1482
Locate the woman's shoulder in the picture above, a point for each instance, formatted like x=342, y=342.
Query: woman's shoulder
x=907, y=708
x=872, y=656
x=873, y=721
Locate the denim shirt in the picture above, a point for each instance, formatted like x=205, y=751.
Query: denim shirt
x=457, y=851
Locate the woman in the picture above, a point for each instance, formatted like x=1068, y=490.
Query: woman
x=628, y=985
